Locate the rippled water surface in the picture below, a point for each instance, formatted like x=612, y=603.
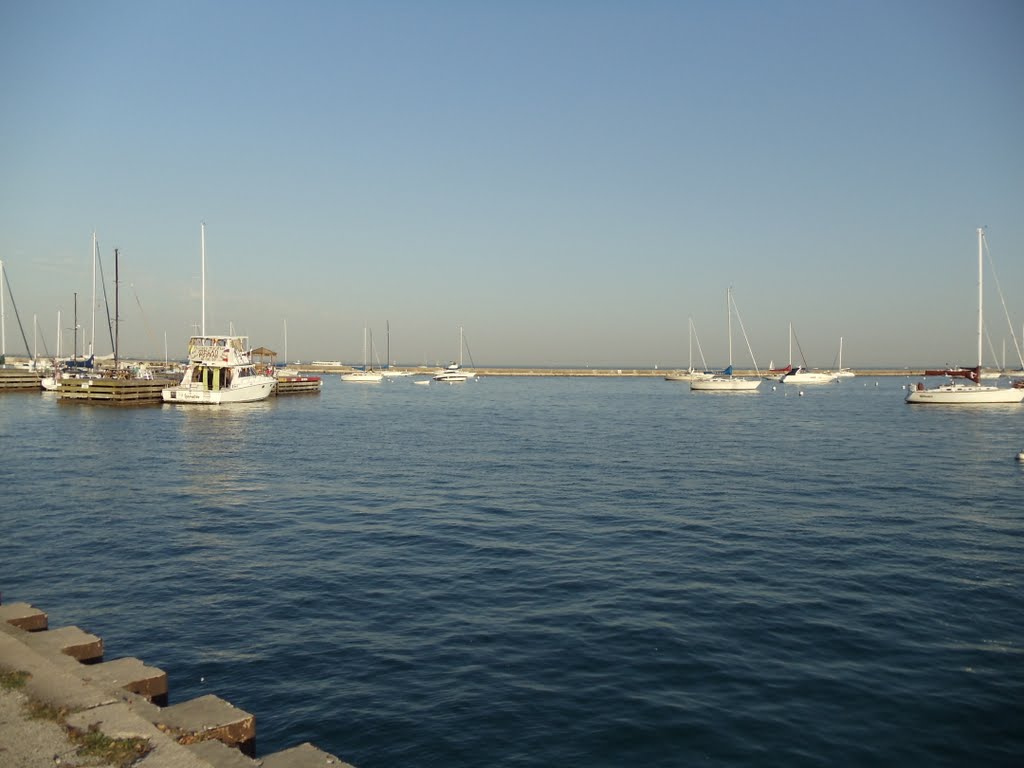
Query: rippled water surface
x=547, y=572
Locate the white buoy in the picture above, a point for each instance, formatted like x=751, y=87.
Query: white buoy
x=1020, y=456
x=801, y=393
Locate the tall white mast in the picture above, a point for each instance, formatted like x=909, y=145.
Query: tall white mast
x=3, y=314
x=728, y=315
x=58, y=333
x=981, y=238
x=460, y=346
x=202, y=245
x=92, y=343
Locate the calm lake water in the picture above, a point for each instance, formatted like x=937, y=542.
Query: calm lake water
x=547, y=572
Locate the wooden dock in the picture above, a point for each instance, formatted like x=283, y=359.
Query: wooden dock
x=297, y=385
x=114, y=391
x=19, y=378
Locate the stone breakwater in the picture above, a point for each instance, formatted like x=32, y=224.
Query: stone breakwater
x=591, y=372
x=64, y=669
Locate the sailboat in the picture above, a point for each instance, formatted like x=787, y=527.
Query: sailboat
x=843, y=373
x=388, y=371
x=367, y=375
x=690, y=374
x=220, y=369
x=957, y=393
x=725, y=381
x=802, y=374
x=454, y=373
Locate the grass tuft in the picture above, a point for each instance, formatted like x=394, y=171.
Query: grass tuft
x=13, y=680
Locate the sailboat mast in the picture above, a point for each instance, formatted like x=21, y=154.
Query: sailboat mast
x=981, y=238
x=728, y=315
x=117, y=310
x=3, y=315
x=92, y=342
x=691, y=344
x=202, y=250
x=74, y=328
x=460, y=346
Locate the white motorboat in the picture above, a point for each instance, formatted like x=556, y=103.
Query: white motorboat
x=801, y=374
x=454, y=373
x=220, y=370
x=975, y=393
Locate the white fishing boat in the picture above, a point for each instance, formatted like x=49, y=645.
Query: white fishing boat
x=725, y=381
x=367, y=375
x=454, y=373
x=691, y=374
x=974, y=393
x=220, y=369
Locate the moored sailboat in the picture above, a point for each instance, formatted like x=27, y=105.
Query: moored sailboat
x=690, y=374
x=975, y=393
x=725, y=381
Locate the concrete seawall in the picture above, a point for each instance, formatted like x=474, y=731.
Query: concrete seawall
x=124, y=698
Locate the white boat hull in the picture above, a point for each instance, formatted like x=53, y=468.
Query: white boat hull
x=363, y=377
x=689, y=376
x=965, y=394
x=254, y=389
x=725, y=384
x=809, y=377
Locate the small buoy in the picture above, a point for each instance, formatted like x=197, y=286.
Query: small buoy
x=801, y=393
x=1020, y=456
x=202, y=679
x=774, y=387
x=876, y=383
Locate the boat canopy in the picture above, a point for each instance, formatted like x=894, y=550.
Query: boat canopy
x=89, y=363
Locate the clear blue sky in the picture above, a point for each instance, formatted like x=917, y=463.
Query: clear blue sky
x=569, y=181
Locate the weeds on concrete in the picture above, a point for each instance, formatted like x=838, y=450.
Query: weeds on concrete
x=13, y=680
x=118, y=752
x=91, y=745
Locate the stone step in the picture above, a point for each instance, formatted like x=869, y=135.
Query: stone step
x=210, y=717
x=303, y=756
x=220, y=755
x=24, y=616
x=128, y=674
x=71, y=641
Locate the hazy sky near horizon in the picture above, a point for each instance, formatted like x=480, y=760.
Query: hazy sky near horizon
x=568, y=181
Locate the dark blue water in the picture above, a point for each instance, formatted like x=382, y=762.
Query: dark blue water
x=547, y=572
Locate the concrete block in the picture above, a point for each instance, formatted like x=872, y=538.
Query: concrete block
x=120, y=721
x=303, y=756
x=129, y=674
x=220, y=755
x=24, y=616
x=70, y=641
x=210, y=717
